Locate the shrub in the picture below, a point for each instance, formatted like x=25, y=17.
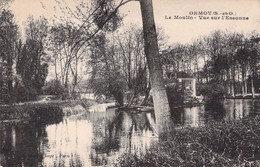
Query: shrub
x=54, y=87
x=212, y=90
x=110, y=84
x=25, y=93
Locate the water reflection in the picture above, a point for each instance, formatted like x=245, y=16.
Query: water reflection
x=99, y=138
x=227, y=110
x=96, y=138
x=20, y=144
x=193, y=116
x=239, y=108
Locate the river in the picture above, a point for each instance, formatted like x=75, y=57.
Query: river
x=99, y=138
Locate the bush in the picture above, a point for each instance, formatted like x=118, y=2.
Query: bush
x=110, y=84
x=54, y=87
x=25, y=93
x=212, y=90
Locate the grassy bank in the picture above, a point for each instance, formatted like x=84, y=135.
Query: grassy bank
x=41, y=111
x=32, y=112
x=235, y=143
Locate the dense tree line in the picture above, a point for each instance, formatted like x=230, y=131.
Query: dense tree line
x=24, y=65
x=221, y=58
x=8, y=40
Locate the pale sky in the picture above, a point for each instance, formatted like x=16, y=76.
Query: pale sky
x=178, y=30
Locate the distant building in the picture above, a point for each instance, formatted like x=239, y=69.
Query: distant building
x=189, y=86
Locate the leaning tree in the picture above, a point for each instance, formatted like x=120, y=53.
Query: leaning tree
x=103, y=15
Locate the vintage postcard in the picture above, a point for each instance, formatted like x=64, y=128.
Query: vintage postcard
x=141, y=83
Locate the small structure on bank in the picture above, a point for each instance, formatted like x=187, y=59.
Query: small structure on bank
x=189, y=88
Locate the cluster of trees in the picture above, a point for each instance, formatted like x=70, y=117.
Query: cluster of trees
x=72, y=36
x=65, y=44
x=223, y=63
x=66, y=57
x=94, y=16
x=118, y=64
x=23, y=65
x=25, y=61
x=221, y=58
x=117, y=59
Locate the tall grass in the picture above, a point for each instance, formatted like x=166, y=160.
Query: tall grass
x=235, y=143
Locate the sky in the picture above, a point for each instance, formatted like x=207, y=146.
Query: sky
x=179, y=30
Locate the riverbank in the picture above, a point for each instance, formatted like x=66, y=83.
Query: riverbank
x=235, y=143
x=40, y=111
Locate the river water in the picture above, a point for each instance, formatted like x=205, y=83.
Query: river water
x=99, y=138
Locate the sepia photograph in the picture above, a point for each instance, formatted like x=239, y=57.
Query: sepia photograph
x=129, y=83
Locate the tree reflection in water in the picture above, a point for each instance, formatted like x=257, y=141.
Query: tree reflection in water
x=124, y=132
x=225, y=110
x=99, y=138
x=95, y=138
x=20, y=143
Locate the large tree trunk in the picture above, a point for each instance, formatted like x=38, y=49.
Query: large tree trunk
x=161, y=104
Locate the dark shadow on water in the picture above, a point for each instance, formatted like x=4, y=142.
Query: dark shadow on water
x=214, y=110
x=20, y=140
x=19, y=143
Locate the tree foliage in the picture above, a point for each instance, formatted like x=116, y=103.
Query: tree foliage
x=4, y=3
x=24, y=66
x=32, y=61
x=227, y=59
x=8, y=41
x=54, y=87
x=120, y=58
